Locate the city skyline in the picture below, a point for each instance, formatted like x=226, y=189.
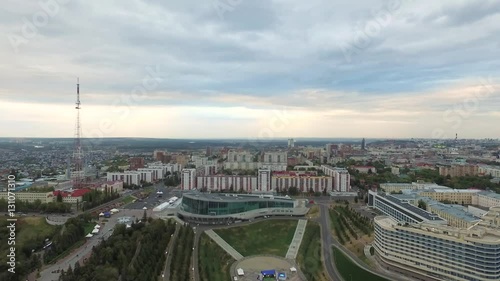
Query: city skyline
x=212, y=71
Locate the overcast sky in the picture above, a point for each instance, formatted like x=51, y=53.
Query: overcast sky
x=251, y=68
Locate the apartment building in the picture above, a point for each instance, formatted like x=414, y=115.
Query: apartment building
x=188, y=179
x=128, y=177
x=227, y=182
x=303, y=182
x=341, y=177
x=156, y=173
x=458, y=170
x=432, y=252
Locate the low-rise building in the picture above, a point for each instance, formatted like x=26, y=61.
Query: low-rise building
x=397, y=187
x=486, y=199
x=453, y=196
x=116, y=186
x=72, y=197
x=365, y=169
x=44, y=197
x=489, y=170
x=455, y=215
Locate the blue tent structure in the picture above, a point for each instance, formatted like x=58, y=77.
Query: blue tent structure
x=268, y=273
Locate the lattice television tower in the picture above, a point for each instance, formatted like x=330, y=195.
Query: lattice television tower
x=78, y=174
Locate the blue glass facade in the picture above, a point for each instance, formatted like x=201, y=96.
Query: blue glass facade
x=223, y=206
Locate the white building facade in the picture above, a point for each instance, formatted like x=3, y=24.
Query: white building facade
x=188, y=179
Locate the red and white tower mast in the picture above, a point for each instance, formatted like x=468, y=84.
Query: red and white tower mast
x=78, y=174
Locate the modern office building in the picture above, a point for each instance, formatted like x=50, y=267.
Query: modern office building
x=432, y=252
x=223, y=208
x=400, y=209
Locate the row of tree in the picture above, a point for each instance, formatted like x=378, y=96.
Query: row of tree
x=344, y=219
x=130, y=254
x=38, y=206
x=309, y=256
x=95, y=198
x=180, y=267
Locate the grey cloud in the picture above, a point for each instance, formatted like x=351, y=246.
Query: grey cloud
x=466, y=12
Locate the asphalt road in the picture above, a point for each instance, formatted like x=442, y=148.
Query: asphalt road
x=327, y=242
x=79, y=254
x=168, y=261
x=153, y=200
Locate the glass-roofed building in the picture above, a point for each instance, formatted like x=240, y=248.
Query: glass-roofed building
x=222, y=208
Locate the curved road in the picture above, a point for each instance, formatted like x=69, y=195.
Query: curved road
x=328, y=240
x=78, y=254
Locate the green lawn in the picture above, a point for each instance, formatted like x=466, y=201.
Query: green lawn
x=214, y=261
x=128, y=199
x=309, y=255
x=89, y=227
x=33, y=228
x=266, y=237
x=350, y=271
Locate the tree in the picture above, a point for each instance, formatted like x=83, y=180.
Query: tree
x=292, y=190
x=422, y=205
x=356, y=199
x=59, y=197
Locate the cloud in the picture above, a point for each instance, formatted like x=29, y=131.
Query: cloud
x=234, y=69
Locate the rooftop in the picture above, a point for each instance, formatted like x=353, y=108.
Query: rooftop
x=235, y=197
x=490, y=194
x=456, y=211
x=414, y=209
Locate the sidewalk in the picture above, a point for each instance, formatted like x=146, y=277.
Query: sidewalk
x=293, y=249
x=224, y=245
